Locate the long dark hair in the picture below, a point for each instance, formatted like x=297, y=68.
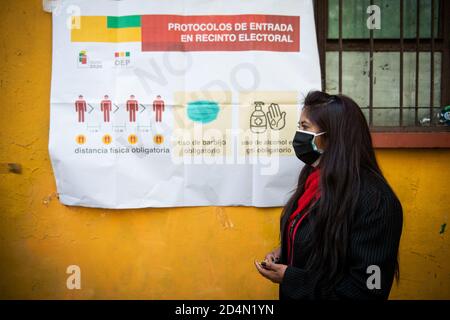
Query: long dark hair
x=348, y=149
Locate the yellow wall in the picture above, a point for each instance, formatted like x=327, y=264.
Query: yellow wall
x=183, y=253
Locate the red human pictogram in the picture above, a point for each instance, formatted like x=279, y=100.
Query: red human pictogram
x=132, y=107
x=80, y=107
x=106, y=107
x=158, y=107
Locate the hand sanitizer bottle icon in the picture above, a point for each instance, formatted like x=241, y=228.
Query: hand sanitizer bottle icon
x=258, y=120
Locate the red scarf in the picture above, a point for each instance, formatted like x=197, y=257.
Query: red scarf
x=311, y=192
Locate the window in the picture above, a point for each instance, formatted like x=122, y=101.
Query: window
x=399, y=73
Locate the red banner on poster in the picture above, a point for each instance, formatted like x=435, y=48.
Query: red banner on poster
x=221, y=33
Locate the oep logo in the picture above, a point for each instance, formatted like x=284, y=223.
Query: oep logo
x=122, y=59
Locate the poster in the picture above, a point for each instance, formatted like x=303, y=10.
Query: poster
x=179, y=103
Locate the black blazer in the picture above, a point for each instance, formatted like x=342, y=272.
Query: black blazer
x=374, y=240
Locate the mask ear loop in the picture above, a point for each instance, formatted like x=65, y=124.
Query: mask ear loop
x=313, y=142
x=305, y=131
x=311, y=133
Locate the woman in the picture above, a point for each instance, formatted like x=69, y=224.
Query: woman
x=340, y=230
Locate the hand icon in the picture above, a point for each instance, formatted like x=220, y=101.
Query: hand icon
x=277, y=119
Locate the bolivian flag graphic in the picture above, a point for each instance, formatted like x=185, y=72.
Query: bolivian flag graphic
x=106, y=29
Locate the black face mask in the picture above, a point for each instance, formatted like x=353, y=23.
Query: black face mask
x=304, y=146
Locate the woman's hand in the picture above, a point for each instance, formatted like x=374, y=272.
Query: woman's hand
x=273, y=256
x=272, y=271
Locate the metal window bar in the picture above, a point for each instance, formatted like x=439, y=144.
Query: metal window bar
x=389, y=45
x=371, y=75
x=340, y=47
x=321, y=11
x=432, y=63
x=402, y=49
x=416, y=94
x=444, y=34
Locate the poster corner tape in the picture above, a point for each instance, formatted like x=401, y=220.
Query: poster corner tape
x=50, y=5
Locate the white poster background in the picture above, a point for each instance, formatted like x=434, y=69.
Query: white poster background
x=157, y=180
